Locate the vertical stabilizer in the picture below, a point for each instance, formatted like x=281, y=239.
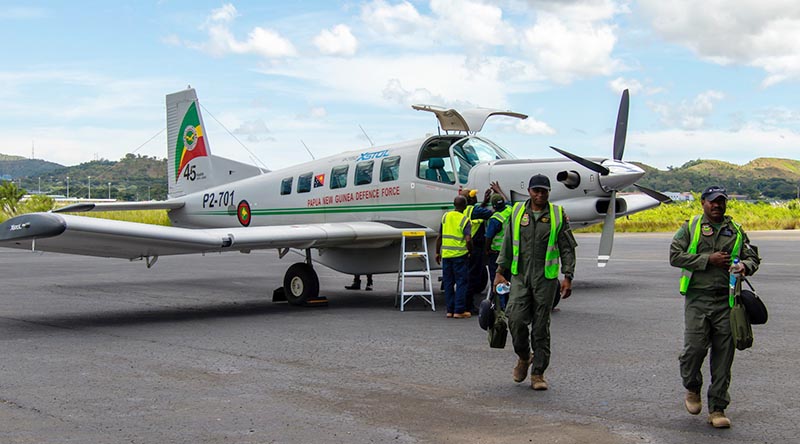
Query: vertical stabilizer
x=189, y=162
x=190, y=165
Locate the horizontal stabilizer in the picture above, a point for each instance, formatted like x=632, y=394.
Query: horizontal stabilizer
x=121, y=206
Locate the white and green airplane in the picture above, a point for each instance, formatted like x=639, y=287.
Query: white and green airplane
x=347, y=211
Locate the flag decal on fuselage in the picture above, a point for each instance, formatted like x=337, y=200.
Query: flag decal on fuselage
x=191, y=142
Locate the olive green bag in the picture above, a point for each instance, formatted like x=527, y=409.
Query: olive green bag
x=741, y=330
x=498, y=332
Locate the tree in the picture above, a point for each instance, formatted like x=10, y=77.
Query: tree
x=10, y=195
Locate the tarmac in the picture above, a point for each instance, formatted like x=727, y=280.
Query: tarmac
x=194, y=351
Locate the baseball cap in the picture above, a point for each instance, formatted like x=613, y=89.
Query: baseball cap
x=714, y=192
x=497, y=199
x=539, y=181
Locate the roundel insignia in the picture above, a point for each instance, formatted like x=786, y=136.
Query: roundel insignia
x=190, y=137
x=243, y=213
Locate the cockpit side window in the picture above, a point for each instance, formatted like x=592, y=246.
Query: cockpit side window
x=434, y=162
x=471, y=151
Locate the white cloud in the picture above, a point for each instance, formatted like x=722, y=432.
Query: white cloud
x=221, y=41
x=635, y=87
x=580, y=10
x=762, y=34
x=394, y=20
x=567, y=50
x=254, y=130
x=688, y=115
x=337, y=41
x=474, y=23
x=318, y=112
x=662, y=148
x=23, y=13
x=533, y=126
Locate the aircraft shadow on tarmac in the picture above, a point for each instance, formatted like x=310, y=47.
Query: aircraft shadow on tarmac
x=155, y=313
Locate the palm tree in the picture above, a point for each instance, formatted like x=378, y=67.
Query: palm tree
x=10, y=194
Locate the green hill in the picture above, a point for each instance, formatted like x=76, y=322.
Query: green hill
x=15, y=166
x=760, y=178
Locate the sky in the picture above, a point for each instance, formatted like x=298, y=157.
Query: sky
x=717, y=79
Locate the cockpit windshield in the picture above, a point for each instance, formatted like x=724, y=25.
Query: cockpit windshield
x=473, y=150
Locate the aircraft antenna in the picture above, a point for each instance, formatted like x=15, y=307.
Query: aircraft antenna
x=309, y=151
x=365, y=135
x=253, y=157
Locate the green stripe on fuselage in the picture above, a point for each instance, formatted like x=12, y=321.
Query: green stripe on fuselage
x=342, y=209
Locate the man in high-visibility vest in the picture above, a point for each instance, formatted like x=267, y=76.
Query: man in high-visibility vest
x=495, y=228
x=478, y=214
x=537, y=236
x=705, y=247
x=452, y=251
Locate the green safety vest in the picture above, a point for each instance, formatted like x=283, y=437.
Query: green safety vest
x=476, y=223
x=694, y=233
x=552, y=255
x=502, y=217
x=454, y=244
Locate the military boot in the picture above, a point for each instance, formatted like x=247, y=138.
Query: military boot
x=538, y=382
x=356, y=285
x=719, y=420
x=521, y=369
x=692, y=402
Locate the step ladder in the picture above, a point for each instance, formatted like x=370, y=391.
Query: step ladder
x=410, y=249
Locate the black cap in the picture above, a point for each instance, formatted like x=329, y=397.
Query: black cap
x=539, y=181
x=497, y=199
x=714, y=192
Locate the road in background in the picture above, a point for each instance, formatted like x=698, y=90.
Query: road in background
x=194, y=351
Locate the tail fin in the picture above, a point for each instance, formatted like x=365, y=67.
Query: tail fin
x=190, y=165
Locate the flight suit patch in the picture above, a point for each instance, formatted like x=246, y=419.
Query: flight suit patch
x=726, y=232
x=706, y=230
x=525, y=220
x=546, y=220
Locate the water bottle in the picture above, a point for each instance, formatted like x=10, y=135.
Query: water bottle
x=503, y=288
x=732, y=282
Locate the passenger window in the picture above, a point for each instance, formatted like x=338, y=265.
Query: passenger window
x=364, y=172
x=304, y=183
x=390, y=168
x=339, y=176
x=286, y=186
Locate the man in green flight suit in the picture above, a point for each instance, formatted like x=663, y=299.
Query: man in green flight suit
x=705, y=248
x=537, y=236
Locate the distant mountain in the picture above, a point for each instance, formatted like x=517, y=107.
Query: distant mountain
x=764, y=177
x=134, y=177
x=16, y=166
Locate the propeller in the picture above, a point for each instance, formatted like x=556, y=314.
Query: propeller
x=594, y=166
x=607, y=237
x=663, y=198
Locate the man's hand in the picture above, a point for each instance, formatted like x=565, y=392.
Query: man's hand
x=494, y=186
x=566, y=288
x=438, y=258
x=720, y=259
x=738, y=269
x=486, y=196
x=499, y=279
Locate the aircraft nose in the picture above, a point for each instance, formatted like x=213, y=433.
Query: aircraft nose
x=621, y=174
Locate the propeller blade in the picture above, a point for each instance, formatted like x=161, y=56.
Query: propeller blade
x=594, y=166
x=607, y=238
x=622, y=126
x=663, y=198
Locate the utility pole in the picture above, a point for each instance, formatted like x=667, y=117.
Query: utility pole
x=40, y=185
x=90, y=187
x=67, y=187
x=109, y=191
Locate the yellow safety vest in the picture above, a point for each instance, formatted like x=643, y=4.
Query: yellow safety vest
x=552, y=255
x=454, y=244
x=502, y=217
x=694, y=233
x=476, y=223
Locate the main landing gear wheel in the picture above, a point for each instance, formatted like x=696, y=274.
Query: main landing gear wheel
x=300, y=284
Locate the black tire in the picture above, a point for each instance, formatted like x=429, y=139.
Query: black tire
x=557, y=297
x=300, y=283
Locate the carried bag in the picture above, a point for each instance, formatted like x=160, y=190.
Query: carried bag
x=741, y=330
x=498, y=332
x=756, y=310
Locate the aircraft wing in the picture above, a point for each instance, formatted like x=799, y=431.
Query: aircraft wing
x=121, y=206
x=64, y=233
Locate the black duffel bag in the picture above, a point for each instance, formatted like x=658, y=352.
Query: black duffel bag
x=756, y=310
